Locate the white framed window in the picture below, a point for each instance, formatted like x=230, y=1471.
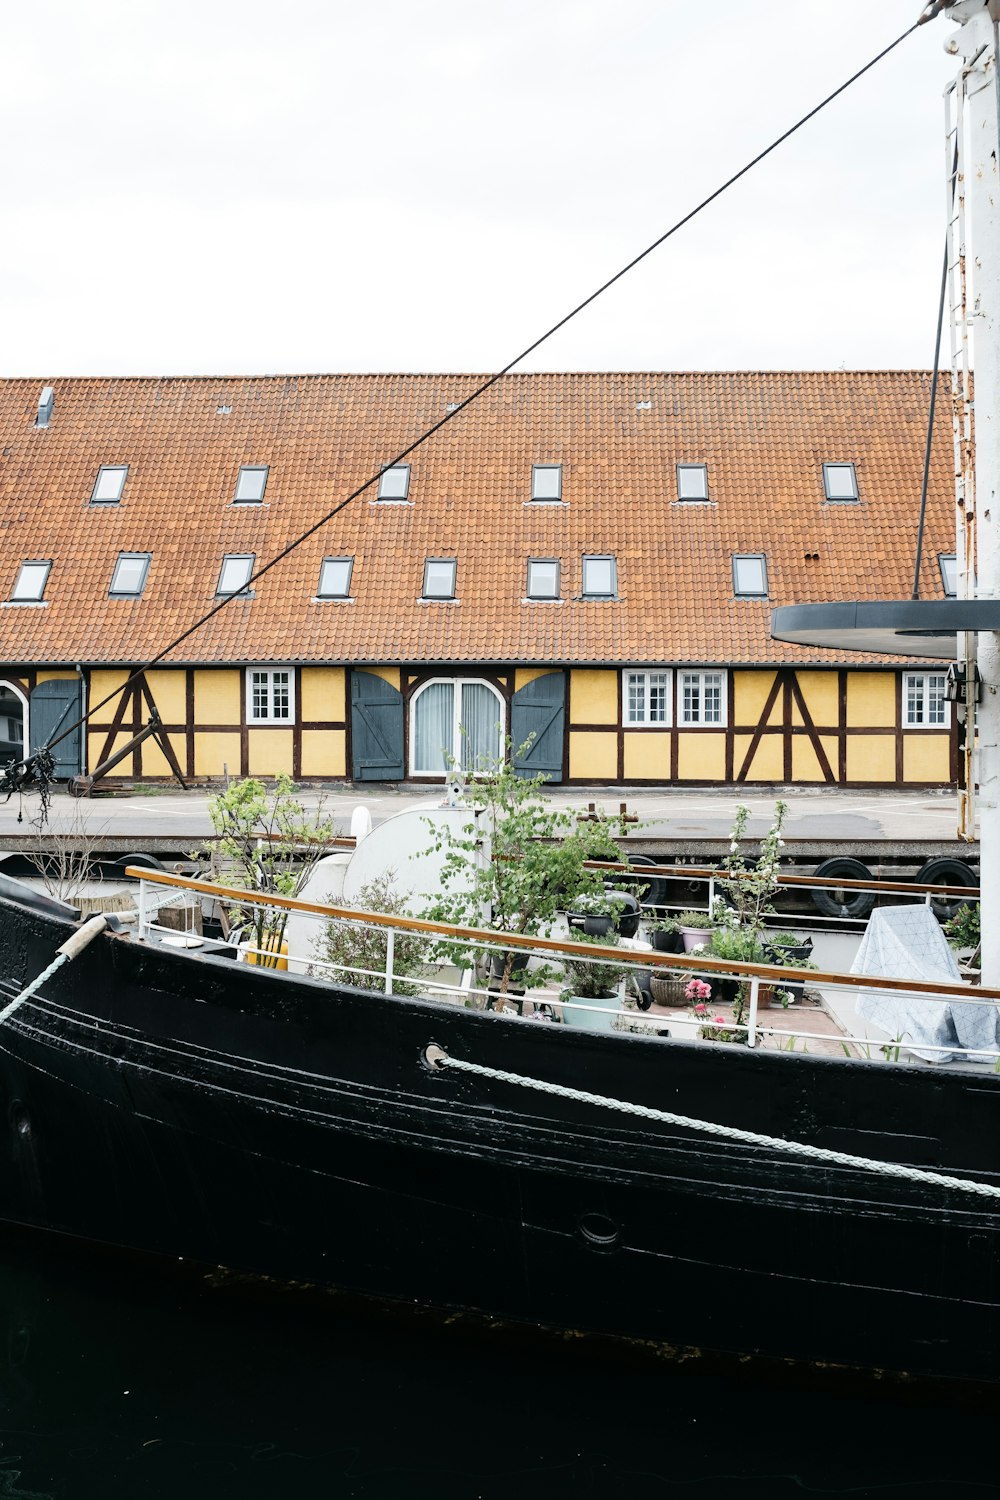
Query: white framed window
x=29, y=586
x=924, y=703
x=335, y=578
x=394, y=482
x=543, y=578
x=701, y=698
x=750, y=575
x=948, y=563
x=439, y=578
x=270, y=695
x=129, y=577
x=235, y=572
x=840, y=482
x=692, y=481
x=546, y=481
x=109, y=484
x=251, y=484
x=646, y=697
x=600, y=576
x=463, y=717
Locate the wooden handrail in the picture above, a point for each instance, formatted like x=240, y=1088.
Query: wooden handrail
x=697, y=963
x=708, y=872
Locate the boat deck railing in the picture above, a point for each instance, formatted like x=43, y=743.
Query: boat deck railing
x=440, y=975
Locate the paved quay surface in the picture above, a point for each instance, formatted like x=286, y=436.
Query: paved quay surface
x=664, y=812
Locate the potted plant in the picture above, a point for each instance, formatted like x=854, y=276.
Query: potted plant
x=349, y=952
x=696, y=928
x=787, y=946
x=594, y=983
x=665, y=934
x=740, y=945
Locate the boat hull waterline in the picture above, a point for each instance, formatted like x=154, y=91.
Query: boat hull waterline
x=192, y=1107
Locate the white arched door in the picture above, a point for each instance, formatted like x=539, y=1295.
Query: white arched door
x=461, y=717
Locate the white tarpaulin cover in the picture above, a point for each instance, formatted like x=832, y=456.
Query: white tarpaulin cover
x=906, y=942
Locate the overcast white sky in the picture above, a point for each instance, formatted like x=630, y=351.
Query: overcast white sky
x=322, y=186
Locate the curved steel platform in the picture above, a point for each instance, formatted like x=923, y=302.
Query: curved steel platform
x=925, y=628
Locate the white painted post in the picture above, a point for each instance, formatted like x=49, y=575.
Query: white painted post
x=752, y=1012
x=390, y=957
x=143, y=918
x=976, y=42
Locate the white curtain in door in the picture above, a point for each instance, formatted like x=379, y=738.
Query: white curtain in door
x=480, y=716
x=433, y=729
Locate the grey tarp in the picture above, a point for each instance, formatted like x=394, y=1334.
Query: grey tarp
x=906, y=942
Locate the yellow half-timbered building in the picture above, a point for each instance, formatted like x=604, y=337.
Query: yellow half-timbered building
x=588, y=560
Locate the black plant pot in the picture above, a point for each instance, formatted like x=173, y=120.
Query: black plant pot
x=667, y=942
x=782, y=954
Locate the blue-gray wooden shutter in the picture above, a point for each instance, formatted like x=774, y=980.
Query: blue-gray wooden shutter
x=54, y=706
x=539, y=708
x=376, y=729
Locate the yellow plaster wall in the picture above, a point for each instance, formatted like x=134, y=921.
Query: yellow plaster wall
x=871, y=757
x=102, y=682
x=701, y=757
x=593, y=756
x=805, y=761
x=323, y=693
x=821, y=692
x=388, y=674
x=154, y=762
x=750, y=690
x=270, y=751
x=66, y=676
x=647, y=756
x=213, y=752
x=324, y=752
x=217, y=697
x=871, y=700
x=768, y=763
x=524, y=675
x=169, y=694
x=926, y=757
x=593, y=697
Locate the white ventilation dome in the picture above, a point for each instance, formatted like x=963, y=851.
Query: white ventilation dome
x=361, y=824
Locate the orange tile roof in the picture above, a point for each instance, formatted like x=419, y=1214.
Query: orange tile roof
x=764, y=437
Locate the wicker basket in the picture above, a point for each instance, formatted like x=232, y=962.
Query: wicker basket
x=668, y=989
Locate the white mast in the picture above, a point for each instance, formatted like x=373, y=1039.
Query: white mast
x=979, y=175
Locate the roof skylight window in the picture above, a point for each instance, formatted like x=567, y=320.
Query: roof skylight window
x=29, y=587
x=750, y=575
x=394, y=482
x=129, y=578
x=692, y=481
x=600, y=577
x=235, y=573
x=439, y=577
x=546, y=481
x=948, y=563
x=335, y=577
x=543, y=578
x=109, y=484
x=840, y=482
x=251, y=484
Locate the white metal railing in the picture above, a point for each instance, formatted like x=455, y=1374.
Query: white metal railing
x=152, y=898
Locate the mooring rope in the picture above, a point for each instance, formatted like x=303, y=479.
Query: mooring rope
x=69, y=949
x=438, y=1058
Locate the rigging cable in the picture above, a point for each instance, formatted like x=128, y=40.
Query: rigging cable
x=491, y=381
x=934, y=385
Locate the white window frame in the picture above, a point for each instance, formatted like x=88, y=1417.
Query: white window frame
x=692, y=499
x=645, y=673
x=452, y=562
x=244, y=590
x=948, y=563
x=346, y=592
x=598, y=557
x=239, y=499
x=270, y=720
x=840, y=499
x=739, y=557
x=121, y=469
x=701, y=673
x=119, y=593
x=456, y=738
x=549, y=562
x=383, y=480
x=39, y=598
x=909, y=723
x=555, y=499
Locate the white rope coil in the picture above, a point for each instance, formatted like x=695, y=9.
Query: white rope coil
x=438, y=1058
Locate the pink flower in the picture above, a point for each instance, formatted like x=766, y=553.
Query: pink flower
x=697, y=989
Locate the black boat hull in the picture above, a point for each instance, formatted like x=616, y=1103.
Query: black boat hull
x=196, y=1108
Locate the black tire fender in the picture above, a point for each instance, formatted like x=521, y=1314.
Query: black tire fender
x=946, y=871
x=831, y=903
